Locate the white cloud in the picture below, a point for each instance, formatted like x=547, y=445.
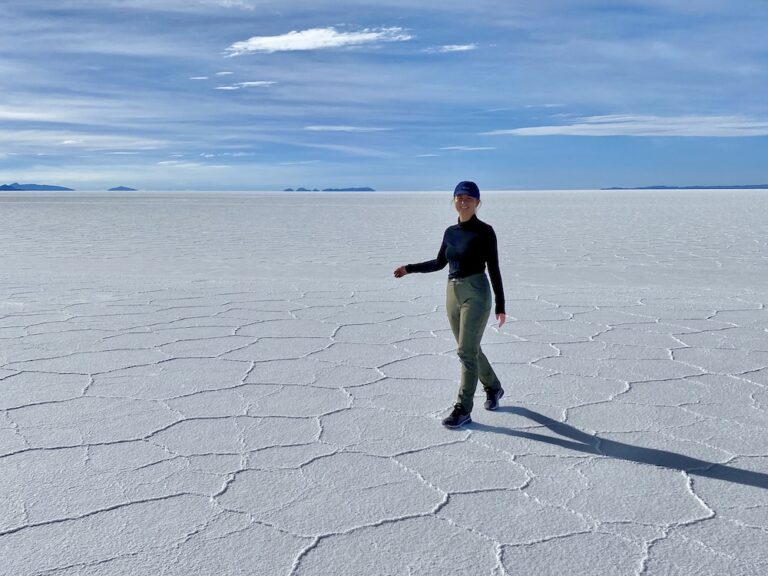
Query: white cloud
x=427, y=156
x=198, y=77
x=178, y=164
x=256, y=83
x=647, y=125
x=238, y=85
x=468, y=148
x=53, y=140
x=224, y=73
x=188, y=164
x=233, y=4
x=453, y=48
x=351, y=150
x=31, y=114
x=543, y=106
x=316, y=39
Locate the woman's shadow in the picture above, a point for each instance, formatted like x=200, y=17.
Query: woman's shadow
x=575, y=439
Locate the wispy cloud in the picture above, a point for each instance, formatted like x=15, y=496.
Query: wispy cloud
x=468, y=148
x=238, y=85
x=452, y=48
x=198, y=77
x=322, y=128
x=178, y=164
x=256, y=83
x=233, y=4
x=543, y=106
x=342, y=148
x=55, y=141
x=647, y=125
x=316, y=39
x=30, y=114
x=224, y=73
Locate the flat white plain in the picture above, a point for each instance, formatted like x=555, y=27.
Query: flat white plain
x=226, y=384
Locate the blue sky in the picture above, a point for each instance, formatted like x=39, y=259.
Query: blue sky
x=393, y=94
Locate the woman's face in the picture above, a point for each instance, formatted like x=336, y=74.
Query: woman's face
x=466, y=206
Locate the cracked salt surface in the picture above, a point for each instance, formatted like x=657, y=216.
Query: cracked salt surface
x=210, y=400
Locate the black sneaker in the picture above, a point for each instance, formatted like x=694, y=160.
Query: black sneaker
x=457, y=418
x=493, y=398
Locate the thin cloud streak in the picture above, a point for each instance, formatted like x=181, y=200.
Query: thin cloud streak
x=238, y=85
x=58, y=141
x=468, y=148
x=321, y=128
x=180, y=164
x=648, y=126
x=452, y=48
x=256, y=83
x=29, y=114
x=316, y=39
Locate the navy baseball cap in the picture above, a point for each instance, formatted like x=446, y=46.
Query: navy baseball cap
x=468, y=188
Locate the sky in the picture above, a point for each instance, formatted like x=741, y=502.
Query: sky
x=391, y=94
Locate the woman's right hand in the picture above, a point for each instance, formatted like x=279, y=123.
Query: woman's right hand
x=400, y=272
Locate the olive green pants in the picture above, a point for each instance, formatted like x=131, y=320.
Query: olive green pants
x=468, y=303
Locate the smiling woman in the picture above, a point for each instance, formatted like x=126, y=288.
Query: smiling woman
x=467, y=247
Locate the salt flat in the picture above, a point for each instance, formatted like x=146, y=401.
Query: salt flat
x=236, y=384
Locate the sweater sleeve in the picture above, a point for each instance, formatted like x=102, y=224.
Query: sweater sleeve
x=494, y=272
x=430, y=265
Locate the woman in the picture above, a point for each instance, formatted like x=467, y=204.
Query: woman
x=467, y=247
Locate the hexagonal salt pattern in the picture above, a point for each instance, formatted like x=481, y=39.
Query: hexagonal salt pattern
x=263, y=402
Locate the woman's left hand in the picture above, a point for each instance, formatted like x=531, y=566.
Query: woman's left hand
x=501, y=318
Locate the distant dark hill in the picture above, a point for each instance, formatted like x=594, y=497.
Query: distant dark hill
x=33, y=187
x=742, y=187
x=122, y=189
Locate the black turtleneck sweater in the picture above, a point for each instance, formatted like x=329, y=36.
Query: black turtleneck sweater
x=466, y=248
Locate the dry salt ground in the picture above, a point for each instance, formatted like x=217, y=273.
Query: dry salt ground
x=236, y=384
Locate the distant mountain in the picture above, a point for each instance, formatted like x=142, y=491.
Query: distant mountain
x=743, y=187
x=122, y=189
x=35, y=187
